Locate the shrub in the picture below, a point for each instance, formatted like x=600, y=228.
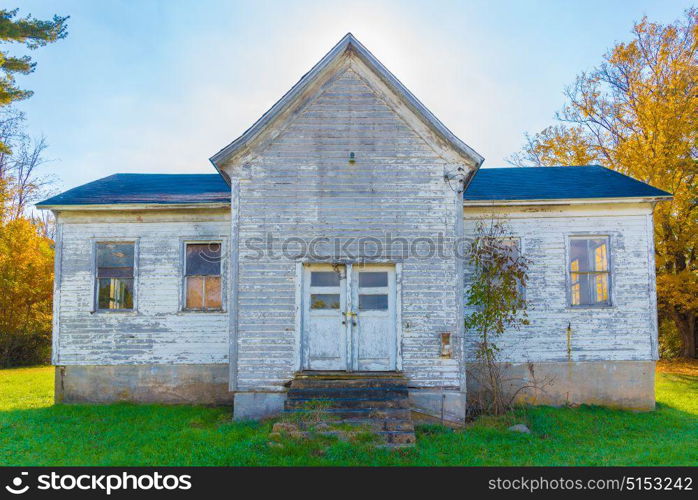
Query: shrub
x=25, y=349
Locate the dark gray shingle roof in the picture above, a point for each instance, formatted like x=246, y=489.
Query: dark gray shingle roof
x=146, y=188
x=555, y=183
x=489, y=184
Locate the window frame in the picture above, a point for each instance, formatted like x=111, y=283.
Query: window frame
x=95, y=309
x=609, y=272
x=183, y=274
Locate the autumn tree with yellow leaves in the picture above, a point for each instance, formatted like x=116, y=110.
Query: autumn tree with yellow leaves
x=637, y=113
x=26, y=252
x=26, y=260
x=26, y=287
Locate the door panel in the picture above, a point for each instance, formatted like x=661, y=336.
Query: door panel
x=325, y=302
x=373, y=294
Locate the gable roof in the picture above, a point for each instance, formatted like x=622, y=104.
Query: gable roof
x=157, y=189
x=555, y=183
x=347, y=43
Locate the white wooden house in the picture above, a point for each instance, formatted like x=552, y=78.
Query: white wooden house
x=324, y=243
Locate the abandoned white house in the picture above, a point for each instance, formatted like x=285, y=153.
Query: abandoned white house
x=323, y=245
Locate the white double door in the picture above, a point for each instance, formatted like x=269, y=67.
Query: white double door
x=349, y=318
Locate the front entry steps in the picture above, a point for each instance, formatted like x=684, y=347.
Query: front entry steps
x=376, y=402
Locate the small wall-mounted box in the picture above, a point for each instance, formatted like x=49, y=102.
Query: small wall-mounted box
x=446, y=350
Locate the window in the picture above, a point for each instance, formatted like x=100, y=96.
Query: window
x=589, y=273
x=373, y=288
x=324, y=301
x=203, y=276
x=115, y=276
x=325, y=283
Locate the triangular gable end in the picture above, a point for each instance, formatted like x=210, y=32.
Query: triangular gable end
x=433, y=131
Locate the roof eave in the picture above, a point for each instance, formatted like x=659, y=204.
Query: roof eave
x=567, y=201
x=133, y=206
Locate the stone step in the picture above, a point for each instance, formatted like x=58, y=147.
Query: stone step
x=338, y=403
x=335, y=414
x=347, y=392
x=334, y=383
x=347, y=375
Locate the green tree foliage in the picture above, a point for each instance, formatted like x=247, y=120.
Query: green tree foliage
x=32, y=33
x=637, y=113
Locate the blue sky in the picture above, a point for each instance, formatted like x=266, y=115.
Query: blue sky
x=159, y=86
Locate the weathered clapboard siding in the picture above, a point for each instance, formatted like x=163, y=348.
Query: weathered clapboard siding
x=300, y=184
x=624, y=331
x=158, y=331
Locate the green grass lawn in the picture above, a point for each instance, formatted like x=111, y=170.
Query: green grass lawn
x=35, y=432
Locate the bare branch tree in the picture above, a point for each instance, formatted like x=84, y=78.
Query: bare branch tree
x=11, y=123
x=21, y=180
x=29, y=185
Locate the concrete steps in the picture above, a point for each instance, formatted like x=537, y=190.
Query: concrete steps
x=374, y=402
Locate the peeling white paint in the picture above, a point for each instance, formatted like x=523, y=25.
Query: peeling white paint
x=158, y=331
x=624, y=331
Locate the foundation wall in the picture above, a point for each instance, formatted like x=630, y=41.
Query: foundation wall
x=616, y=384
x=170, y=384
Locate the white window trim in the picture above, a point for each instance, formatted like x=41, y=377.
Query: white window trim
x=568, y=273
x=95, y=287
x=222, y=241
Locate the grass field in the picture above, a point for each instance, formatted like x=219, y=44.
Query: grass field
x=35, y=432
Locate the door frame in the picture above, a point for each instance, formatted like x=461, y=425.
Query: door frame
x=301, y=346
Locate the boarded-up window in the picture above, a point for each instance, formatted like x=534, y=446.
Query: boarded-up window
x=589, y=272
x=203, y=276
x=115, y=276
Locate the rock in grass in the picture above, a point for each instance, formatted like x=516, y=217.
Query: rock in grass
x=519, y=428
